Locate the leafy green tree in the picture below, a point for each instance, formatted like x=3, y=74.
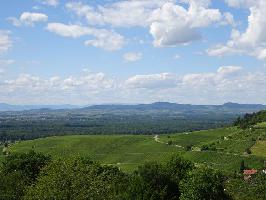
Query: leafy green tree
x=203, y=184
x=76, y=179
x=19, y=171
x=156, y=181
x=29, y=164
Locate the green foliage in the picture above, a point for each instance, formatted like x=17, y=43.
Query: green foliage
x=188, y=147
x=35, y=124
x=76, y=179
x=203, y=184
x=12, y=185
x=19, y=171
x=253, y=189
x=29, y=164
x=156, y=181
x=242, y=166
x=248, y=151
x=251, y=119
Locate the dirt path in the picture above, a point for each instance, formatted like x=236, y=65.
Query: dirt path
x=157, y=139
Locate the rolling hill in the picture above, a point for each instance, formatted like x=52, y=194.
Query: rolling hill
x=226, y=148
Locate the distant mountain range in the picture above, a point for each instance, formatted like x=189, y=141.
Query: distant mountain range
x=153, y=106
x=8, y=107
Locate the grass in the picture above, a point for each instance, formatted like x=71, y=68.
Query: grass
x=198, y=138
x=261, y=125
x=128, y=152
x=259, y=149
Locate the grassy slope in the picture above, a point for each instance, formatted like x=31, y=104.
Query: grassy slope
x=128, y=152
x=259, y=149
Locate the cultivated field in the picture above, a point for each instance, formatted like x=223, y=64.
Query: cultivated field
x=128, y=151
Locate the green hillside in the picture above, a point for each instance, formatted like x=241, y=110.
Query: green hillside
x=220, y=148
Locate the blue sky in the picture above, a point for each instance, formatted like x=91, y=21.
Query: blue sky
x=132, y=51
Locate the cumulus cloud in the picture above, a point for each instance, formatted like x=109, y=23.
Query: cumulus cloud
x=152, y=81
x=119, y=14
x=28, y=19
x=105, y=39
x=132, y=56
x=228, y=83
x=250, y=42
x=169, y=22
x=5, y=41
x=174, y=25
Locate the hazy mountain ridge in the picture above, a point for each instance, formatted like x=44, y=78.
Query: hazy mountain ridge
x=152, y=106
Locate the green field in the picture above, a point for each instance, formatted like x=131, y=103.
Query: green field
x=261, y=125
x=127, y=152
x=199, y=138
x=259, y=149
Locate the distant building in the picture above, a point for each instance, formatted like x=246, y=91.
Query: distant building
x=248, y=173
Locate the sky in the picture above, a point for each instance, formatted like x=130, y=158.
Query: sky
x=132, y=51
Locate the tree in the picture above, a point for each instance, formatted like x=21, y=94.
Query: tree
x=156, y=181
x=203, y=184
x=29, y=164
x=19, y=171
x=76, y=178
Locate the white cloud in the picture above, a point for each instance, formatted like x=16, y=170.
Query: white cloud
x=14, y=21
x=64, y=30
x=28, y=19
x=170, y=23
x=5, y=41
x=132, y=56
x=174, y=25
x=119, y=14
x=228, y=83
x=250, y=42
x=228, y=19
x=105, y=39
x=240, y=3
x=152, y=81
x=6, y=62
x=50, y=2
x=262, y=54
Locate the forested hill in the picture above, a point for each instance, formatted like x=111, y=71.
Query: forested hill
x=234, y=107
x=249, y=120
x=156, y=118
x=227, y=107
